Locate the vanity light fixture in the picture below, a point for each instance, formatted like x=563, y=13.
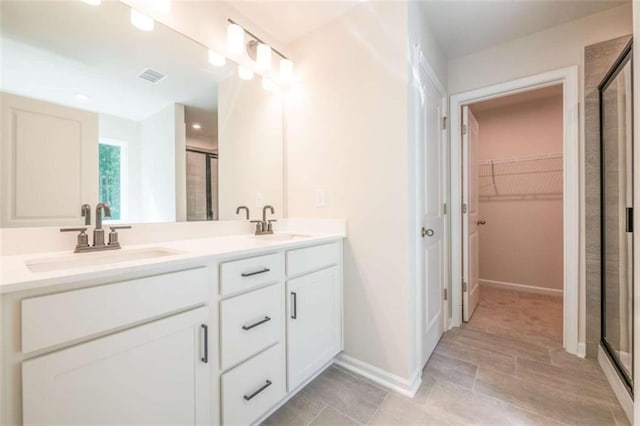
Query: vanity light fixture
x=244, y=73
x=141, y=21
x=257, y=49
x=216, y=59
x=263, y=56
x=235, y=38
x=81, y=97
x=196, y=126
x=93, y=2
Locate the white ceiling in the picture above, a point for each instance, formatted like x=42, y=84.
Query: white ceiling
x=467, y=26
x=286, y=20
x=52, y=50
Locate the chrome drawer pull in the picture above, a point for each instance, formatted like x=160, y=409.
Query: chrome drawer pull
x=266, y=385
x=249, y=327
x=205, y=358
x=249, y=274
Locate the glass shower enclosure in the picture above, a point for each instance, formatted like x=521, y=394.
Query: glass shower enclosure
x=616, y=169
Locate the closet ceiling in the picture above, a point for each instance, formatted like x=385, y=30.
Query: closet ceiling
x=466, y=26
x=529, y=96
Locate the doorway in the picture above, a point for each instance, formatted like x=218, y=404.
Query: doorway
x=514, y=177
x=512, y=223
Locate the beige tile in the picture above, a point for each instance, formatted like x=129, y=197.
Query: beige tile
x=567, y=380
x=331, y=417
x=400, y=410
x=503, y=343
x=620, y=416
x=297, y=411
x=355, y=397
x=542, y=399
x=480, y=357
x=459, y=372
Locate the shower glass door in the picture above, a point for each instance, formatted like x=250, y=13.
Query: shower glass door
x=616, y=150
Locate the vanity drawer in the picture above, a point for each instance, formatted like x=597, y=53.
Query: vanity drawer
x=250, y=323
x=62, y=317
x=253, y=387
x=312, y=258
x=244, y=274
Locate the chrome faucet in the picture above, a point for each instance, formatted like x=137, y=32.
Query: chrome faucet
x=82, y=244
x=265, y=226
x=245, y=208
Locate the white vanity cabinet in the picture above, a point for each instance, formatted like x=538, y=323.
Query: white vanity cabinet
x=151, y=374
x=314, y=310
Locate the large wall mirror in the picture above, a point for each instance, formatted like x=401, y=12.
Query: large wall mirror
x=96, y=110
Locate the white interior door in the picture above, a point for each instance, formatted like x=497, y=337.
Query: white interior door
x=470, y=262
x=430, y=134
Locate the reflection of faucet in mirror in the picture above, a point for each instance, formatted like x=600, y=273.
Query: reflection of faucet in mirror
x=85, y=211
x=265, y=226
x=245, y=208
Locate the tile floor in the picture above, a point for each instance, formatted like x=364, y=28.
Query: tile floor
x=505, y=367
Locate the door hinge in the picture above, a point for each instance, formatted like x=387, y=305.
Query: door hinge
x=464, y=286
x=464, y=129
x=444, y=208
x=464, y=207
x=445, y=294
x=444, y=123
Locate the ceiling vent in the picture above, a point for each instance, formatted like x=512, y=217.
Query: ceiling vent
x=151, y=75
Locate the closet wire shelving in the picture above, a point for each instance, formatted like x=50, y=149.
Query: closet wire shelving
x=532, y=177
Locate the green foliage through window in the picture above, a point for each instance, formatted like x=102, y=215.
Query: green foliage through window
x=110, y=185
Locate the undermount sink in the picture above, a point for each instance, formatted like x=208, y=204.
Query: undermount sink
x=84, y=260
x=281, y=237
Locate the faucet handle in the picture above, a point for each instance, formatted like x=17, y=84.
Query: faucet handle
x=113, y=234
x=83, y=239
x=270, y=224
x=259, y=226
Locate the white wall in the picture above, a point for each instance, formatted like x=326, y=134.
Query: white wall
x=159, y=164
x=250, y=157
x=547, y=50
x=128, y=131
x=346, y=134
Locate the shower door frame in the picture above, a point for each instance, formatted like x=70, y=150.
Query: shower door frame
x=208, y=156
x=626, y=56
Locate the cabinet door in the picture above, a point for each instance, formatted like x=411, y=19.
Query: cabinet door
x=152, y=374
x=314, y=323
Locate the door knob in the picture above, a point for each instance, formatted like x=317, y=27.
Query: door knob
x=482, y=222
x=427, y=232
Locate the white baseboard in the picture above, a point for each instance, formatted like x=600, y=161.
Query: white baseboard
x=582, y=350
x=388, y=380
x=615, y=381
x=521, y=287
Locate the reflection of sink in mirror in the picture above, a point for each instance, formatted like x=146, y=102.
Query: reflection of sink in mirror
x=281, y=237
x=139, y=110
x=84, y=260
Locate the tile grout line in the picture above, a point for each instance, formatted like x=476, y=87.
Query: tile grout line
x=378, y=408
x=318, y=415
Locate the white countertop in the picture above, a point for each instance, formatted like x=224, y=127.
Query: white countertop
x=16, y=276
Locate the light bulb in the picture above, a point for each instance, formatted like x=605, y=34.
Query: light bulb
x=196, y=126
x=268, y=85
x=286, y=71
x=263, y=56
x=235, y=38
x=244, y=73
x=141, y=21
x=216, y=59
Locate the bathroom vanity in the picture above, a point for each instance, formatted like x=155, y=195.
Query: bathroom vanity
x=205, y=331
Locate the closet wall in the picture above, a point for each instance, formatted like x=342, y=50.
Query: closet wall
x=521, y=201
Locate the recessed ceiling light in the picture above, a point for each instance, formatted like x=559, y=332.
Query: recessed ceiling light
x=81, y=97
x=93, y=2
x=196, y=126
x=141, y=21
